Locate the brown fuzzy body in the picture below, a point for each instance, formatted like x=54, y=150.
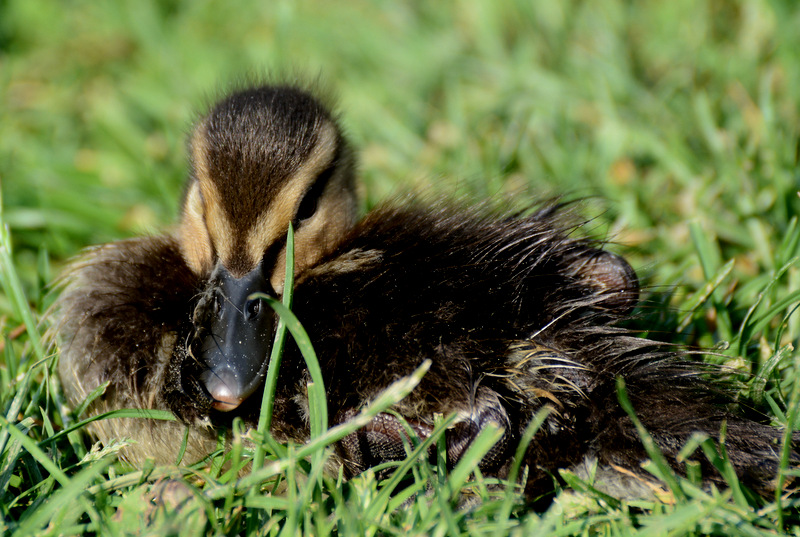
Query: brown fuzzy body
x=499, y=304
x=514, y=312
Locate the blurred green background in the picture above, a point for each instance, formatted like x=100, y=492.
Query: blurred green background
x=664, y=113
x=678, y=121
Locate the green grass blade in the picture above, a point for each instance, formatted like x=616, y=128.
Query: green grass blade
x=271, y=381
x=392, y=395
x=516, y=465
x=9, y=279
x=704, y=294
x=36, y=452
x=710, y=259
x=470, y=460
x=94, y=394
x=380, y=503
x=662, y=468
x=746, y=330
x=319, y=422
x=61, y=500
x=142, y=413
x=788, y=443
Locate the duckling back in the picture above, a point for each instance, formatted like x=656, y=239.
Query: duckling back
x=516, y=315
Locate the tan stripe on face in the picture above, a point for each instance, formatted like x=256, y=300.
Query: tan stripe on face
x=218, y=228
x=195, y=242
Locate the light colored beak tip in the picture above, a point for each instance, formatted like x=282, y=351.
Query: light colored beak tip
x=226, y=406
x=219, y=387
x=224, y=399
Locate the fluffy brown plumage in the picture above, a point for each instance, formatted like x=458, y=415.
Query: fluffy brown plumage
x=514, y=312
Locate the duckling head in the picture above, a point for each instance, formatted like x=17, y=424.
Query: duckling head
x=261, y=159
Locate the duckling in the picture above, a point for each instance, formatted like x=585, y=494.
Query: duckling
x=261, y=158
x=513, y=310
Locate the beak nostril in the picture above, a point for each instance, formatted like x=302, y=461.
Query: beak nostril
x=253, y=309
x=216, y=304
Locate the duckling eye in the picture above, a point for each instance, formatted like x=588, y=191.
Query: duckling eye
x=252, y=309
x=310, y=201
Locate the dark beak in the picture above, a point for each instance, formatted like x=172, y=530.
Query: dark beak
x=237, y=337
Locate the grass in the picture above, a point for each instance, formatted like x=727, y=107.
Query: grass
x=678, y=121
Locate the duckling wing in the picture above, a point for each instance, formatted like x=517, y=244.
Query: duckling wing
x=119, y=319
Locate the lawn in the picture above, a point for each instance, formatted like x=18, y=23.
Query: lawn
x=677, y=123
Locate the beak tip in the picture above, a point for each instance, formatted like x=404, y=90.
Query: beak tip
x=225, y=406
x=220, y=387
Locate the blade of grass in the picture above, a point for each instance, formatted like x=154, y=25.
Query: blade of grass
x=710, y=260
x=768, y=316
x=479, y=447
x=143, y=413
x=718, y=456
x=13, y=288
x=36, y=452
x=319, y=423
x=743, y=341
x=759, y=382
x=271, y=382
x=442, y=487
x=381, y=502
x=94, y=394
x=576, y=483
x=396, y=392
x=184, y=443
x=704, y=294
x=516, y=465
x=791, y=239
x=61, y=499
x=11, y=455
x=662, y=467
x=787, y=443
